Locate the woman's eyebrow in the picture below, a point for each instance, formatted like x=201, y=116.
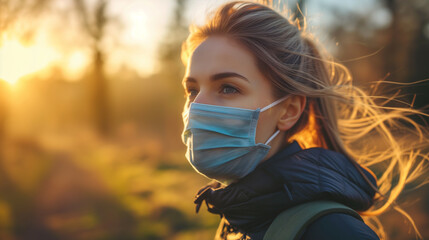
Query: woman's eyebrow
x=217, y=76
x=188, y=79
x=223, y=75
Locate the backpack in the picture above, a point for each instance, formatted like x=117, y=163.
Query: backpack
x=291, y=223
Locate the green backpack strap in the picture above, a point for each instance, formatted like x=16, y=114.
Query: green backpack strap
x=291, y=223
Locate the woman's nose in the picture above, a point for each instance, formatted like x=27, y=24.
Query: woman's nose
x=202, y=97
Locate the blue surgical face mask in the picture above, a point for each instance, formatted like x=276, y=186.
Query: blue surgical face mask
x=221, y=140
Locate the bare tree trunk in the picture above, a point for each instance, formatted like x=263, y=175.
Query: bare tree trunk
x=93, y=23
x=100, y=94
x=403, y=30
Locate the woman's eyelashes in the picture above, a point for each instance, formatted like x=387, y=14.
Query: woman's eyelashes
x=228, y=89
x=191, y=93
x=223, y=89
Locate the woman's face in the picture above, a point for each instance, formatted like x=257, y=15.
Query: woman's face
x=222, y=72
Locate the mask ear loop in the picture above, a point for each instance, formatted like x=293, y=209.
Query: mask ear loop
x=268, y=107
x=272, y=137
x=274, y=103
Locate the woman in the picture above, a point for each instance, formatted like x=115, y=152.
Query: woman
x=276, y=125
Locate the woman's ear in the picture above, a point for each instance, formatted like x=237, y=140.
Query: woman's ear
x=290, y=112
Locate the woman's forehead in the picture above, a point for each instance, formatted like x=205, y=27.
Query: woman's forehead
x=219, y=54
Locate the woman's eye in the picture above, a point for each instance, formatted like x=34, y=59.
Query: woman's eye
x=226, y=89
x=191, y=93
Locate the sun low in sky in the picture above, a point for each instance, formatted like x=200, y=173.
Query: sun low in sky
x=18, y=60
x=145, y=23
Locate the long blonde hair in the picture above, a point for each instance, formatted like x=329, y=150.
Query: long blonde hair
x=338, y=115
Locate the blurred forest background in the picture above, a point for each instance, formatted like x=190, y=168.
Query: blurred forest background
x=91, y=101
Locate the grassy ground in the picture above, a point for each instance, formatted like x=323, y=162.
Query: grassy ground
x=83, y=187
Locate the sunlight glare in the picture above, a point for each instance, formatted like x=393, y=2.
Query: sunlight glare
x=17, y=60
x=75, y=64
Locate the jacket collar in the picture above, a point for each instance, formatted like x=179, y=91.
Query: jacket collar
x=290, y=177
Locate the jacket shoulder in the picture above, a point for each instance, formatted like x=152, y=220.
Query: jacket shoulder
x=336, y=226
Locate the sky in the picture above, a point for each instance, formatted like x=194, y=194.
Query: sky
x=139, y=28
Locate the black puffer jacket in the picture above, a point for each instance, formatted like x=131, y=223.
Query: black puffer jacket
x=291, y=177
